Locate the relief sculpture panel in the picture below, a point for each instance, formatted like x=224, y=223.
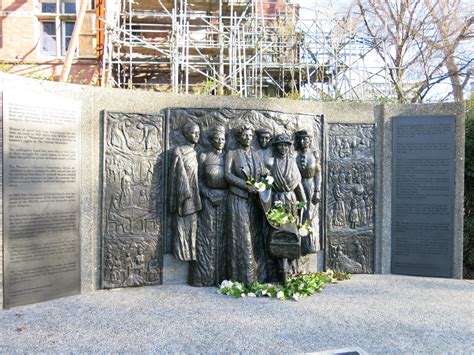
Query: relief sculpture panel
x=350, y=198
x=132, y=200
x=217, y=213
x=234, y=193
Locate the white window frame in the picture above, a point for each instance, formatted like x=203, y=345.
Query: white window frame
x=60, y=18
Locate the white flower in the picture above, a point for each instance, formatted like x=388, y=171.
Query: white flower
x=278, y=203
x=280, y=295
x=251, y=294
x=242, y=295
x=296, y=296
x=260, y=186
x=264, y=293
x=269, y=179
x=226, y=284
x=303, y=231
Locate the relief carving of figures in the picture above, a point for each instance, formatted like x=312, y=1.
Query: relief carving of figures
x=264, y=138
x=359, y=256
x=351, y=255
x=132, y=225
x=241, y=165
x=350, y=195
x=350, y=187
x=309, y=166
x=126, y=189
x=185, y=200
x=339, y=211
x=342, y=263
x=287, y=184
x=209, y=268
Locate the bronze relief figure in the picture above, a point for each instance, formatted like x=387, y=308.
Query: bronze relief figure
x=209, y=267
x=185, y=200
x=309, y=166
x=243, y=222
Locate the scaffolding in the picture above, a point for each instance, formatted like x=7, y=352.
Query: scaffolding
x=249, y=48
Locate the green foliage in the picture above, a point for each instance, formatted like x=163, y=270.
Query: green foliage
x=292, y=95
x=280, y=215
x=205, y=88
x=166, y=89
x=295, y=287
x=6, y=67
x=469, y=191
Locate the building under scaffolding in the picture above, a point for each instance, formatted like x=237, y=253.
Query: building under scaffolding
x=235, y=47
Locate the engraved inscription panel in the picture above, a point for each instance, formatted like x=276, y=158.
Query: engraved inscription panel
x=350, y=198
x=41, y=140
x=423, y=195
x=132, y=200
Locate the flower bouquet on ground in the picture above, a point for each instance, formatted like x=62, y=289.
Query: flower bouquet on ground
x=295, y=287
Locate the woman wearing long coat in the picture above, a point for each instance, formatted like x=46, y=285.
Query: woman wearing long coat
x=243, y=222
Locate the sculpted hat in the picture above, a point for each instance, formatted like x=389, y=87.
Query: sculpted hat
x=302, y=133
x=264, y=130
x=281, y=138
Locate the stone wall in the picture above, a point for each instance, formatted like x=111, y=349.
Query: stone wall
x=95, y=100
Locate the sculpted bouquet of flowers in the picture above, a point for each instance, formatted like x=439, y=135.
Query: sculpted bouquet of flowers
x=264, y=184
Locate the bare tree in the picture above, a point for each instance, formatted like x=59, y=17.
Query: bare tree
x=418, y=47
x=451, y=28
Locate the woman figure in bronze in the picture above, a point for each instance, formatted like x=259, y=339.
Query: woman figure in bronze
x=287, y=190
x=243, y=223
x=185, y=201
x=287, y=186
x=209, y=267
x=309, y=166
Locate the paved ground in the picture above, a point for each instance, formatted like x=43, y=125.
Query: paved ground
x=379, y=314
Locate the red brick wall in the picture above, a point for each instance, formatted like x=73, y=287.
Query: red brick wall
x=17, y=30
x=20, y=49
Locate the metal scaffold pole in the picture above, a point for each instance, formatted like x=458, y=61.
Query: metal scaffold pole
x=245, y=47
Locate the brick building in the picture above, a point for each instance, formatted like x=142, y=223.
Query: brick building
x=35, y=34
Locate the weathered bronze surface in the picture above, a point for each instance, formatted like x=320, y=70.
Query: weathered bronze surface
x=133, y=200
x=423, y=195
x=41, y=139
x=233, y=238
x=214, y=215
x=350, y=198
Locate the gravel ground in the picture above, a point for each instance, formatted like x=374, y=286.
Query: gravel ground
x=376, y=313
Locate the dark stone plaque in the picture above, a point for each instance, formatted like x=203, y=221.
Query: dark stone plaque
x=41, y=140
x=350, y=198
x=133, y=200
x=423, y=195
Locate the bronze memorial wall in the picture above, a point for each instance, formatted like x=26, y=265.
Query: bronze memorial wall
x=220, y=188
x=182, y=182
